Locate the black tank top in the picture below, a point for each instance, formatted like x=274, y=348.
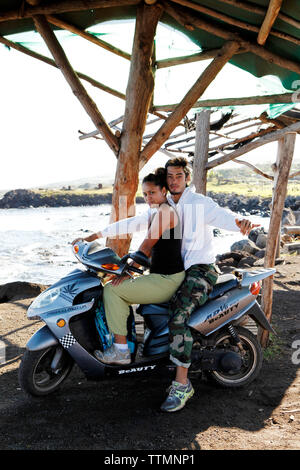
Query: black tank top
x=166, y=253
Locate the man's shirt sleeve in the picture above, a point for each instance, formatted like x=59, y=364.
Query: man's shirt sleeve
x=137, y=223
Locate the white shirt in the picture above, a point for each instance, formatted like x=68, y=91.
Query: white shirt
x=198, y=216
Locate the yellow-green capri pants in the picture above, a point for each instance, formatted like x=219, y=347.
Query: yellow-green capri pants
x=146, y=289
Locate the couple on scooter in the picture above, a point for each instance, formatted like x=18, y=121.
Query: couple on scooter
x=182, y=270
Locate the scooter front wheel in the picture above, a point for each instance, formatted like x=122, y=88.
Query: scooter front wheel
x=42, y=372
x=252, y=358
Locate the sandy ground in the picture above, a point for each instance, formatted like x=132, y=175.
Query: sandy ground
x=124, y=414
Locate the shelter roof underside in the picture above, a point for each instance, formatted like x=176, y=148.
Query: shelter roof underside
x=208, y=23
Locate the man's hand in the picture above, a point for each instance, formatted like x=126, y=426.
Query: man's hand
x=245, y=226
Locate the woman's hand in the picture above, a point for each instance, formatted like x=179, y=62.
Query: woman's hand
x=77, y=240
x=88, y=239
x=119, y=279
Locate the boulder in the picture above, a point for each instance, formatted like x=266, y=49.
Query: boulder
x=19, y=290
x=288, y=217
x=261, y=240
x=244, y=245
x=260, y=254
x=297, y=216
x=255, y=232
x=247, y=262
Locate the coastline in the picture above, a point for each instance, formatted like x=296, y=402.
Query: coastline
x=23, y=198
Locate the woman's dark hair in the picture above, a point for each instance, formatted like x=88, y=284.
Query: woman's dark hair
x=159, y=178
x=181, y=162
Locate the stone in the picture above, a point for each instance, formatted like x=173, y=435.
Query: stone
x=288, y=217
x=260, y=254
x=19, y=290
x=244, y=245
x=261, y=240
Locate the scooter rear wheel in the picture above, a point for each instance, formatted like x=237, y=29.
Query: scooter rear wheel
x=252, y=359
x=38, y=377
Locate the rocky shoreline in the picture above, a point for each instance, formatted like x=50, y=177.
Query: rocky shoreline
x=247, y=205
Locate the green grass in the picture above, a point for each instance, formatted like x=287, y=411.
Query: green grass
x=274, y=348
x=67, y=192
x=251, y=188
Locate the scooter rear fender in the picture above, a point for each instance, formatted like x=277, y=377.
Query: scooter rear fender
x=257, y=314
x=42, y=339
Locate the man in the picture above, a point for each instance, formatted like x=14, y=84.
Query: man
x=198, y=215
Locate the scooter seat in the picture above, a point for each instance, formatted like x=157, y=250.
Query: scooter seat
x=225, y=278
x=221, y=287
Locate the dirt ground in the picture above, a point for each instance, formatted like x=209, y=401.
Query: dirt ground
x=124, y=415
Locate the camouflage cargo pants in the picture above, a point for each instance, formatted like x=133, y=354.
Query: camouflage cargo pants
x=193, y=292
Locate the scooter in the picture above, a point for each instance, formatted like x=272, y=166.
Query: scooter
x=228, y=353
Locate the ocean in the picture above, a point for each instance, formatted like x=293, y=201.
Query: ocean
x=36, y=242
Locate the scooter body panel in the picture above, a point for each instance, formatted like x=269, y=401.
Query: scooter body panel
x=42, y=339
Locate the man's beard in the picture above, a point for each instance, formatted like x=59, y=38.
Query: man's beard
x=174, y=192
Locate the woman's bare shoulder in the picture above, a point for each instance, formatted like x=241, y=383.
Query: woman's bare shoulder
x=166, y=210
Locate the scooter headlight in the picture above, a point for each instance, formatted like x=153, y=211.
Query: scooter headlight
x=45, y=299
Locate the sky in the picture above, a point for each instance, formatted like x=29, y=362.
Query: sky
x=40, y=117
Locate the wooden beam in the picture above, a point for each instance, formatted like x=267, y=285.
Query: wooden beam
x=191, y=21
x=205, y=55
x=78, y=89
x=271, y=137
x=251, y=136
x=138, y=99
x=18, y=47
x=233, y=21
x=33, y=2
x=205, y=79
x=201, y=151
x=62, y=6
x=283, y=164
x=255, y=169
x=253, y=8
x=88, y=36
x=271, y=15
x=246, y=100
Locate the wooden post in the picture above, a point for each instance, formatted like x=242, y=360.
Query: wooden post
x=201, y=151
x=138, y=99
x=283, y=165
x=205, y=79
x=78, y=89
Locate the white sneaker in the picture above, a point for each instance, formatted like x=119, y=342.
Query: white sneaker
x=113, y=355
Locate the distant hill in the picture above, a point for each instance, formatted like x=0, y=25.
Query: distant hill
x=91, y=181
x=81, y=183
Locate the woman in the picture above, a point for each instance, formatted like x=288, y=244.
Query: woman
x=163, y=244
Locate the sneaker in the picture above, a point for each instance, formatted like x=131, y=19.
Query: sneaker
x=113, y=355
x=179, y=394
